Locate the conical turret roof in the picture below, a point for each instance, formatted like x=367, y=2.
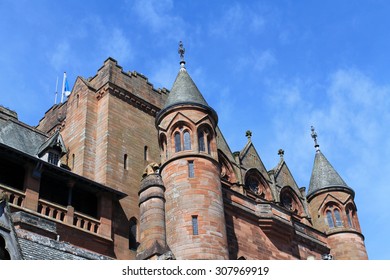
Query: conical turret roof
x=324, y=176
x=184, y=91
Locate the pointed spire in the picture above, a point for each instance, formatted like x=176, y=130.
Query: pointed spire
x=323, y=175
x=314, y=136
x=184, y=91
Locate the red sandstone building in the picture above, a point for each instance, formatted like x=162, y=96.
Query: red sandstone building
x=121, y=170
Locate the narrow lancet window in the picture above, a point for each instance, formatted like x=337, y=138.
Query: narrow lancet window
x=146, y=153
x=195, y=229
x=177, y=142
x=191, y=171
x=349, y=217
x=339, y=222
x=202, y=147
x=187, y=140
x=329, y=218
x=125, y=162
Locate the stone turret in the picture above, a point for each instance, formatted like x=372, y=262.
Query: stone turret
x=333, y=209
x=195, y=221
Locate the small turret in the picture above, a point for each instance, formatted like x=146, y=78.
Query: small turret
x=333, y=209
x=190, y=170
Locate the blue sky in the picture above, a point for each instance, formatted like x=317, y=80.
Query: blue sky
x=274, y=67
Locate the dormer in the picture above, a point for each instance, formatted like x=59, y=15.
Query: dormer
x=53, y=149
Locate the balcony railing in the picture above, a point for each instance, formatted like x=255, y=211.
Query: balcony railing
x=60, y=213
x=86, y=222
x=53, y=211
x=16, y=197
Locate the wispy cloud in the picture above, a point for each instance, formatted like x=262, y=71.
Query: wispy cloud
x=237, y=18
x=159, y=16
x=60, y=56
x=349, y=111
x=117, y=45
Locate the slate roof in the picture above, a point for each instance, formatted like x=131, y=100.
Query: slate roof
x=54, y=141
x=21, y=137
x=324, y=175
x=185, y=92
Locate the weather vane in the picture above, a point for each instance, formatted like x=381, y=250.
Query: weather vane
x=314, y=136
x=181, y=52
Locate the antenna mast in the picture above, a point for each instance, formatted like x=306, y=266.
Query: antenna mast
x=55, y=99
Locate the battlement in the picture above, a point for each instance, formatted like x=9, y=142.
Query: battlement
x=131, y=81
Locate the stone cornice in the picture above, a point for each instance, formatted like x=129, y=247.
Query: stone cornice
x=128, y=97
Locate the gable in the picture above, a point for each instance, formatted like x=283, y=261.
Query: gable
x=340, y=200
x=251, y=159
x=284, y=177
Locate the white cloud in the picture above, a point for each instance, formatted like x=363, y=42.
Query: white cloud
x=159, y=16
x=117, y=46
x=350, y=112
x=253, y=60
x=60, y=56
x=237, y=18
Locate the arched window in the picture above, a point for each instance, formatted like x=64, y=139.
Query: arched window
x=329, y=218
x=349, y=218
x=187, y=140
x=333, y=217
x=339, y=222
x=204, y=139
x=177, y=142
x=286, y=201
x=133, y=244
x=253, y=184
x=202, y=147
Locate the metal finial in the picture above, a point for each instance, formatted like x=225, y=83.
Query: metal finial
x=248, y=134
x=181, y=52
x=281, y=153
x=314, y=136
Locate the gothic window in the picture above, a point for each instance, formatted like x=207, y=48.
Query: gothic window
x=187, y=140
x=177, y=142
x=337, y=216
x=133, y=244
x=182, y=139
x=329, y=218
x=333, y=217
x=256, y=185
x=163, y=145
x=201, y=144
x=204, y=139
x=350, y=215
x=287, y=201
x=253, y=184
x=349, y=218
